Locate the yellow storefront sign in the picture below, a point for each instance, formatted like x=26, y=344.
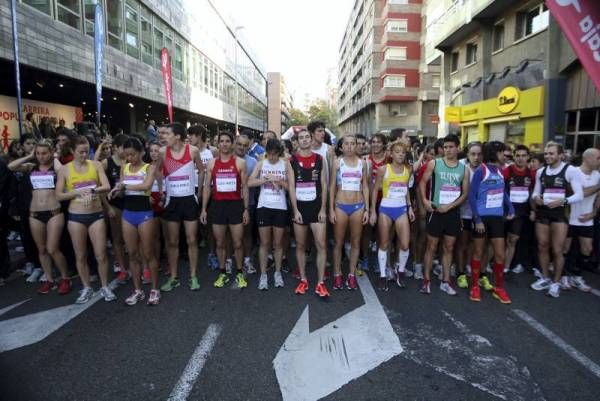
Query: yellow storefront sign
x=508, y=99
x=452, y=114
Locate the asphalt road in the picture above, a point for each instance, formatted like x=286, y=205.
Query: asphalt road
x=453, y=349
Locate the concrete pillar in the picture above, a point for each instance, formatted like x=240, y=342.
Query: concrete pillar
x=555, y=87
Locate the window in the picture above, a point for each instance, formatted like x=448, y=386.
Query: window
x=69, y=12
x=435, y=81
x=532, y=21
x=397, y=26
x=146, y=36
x=471, y=56
x=398, y=1
x=395, y=53
x=89, y=10
x=454, y=62
x=158, y=45
x=498, y=37
x=132, y=29
x=40, y=5
x=178, y=62
x=114, y=22
x=394, y=81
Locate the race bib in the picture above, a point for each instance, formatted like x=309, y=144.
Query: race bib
x=494, y=199
x=553, y=194
x=133, y=180
x=84, y=185
x=306, y=191
x=41, y=180
x=226, y=183
x=351, y=181
x=271, y=195
x=519, y=194
x=448, y=194
x=179, y=186
x=397, y=190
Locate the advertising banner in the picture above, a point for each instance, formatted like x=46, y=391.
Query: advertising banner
x=99, y=57
x=165, y=67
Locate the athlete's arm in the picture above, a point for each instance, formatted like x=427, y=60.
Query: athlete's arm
x=200, y=167
x=473, y=192
x=104, y=184
x=289, y=176
x=423, y=186
x=536, y=196
x=148, y=181
x=464, y=192
x=206, y=186
x=323, y=210
x=365, y=190
x=253, y=180
x=244, y=188
x=332, y=189
x=61, y=195
x=573, y=176
x=375, y=193
x=22, y=164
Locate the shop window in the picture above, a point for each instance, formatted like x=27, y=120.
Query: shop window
x=532, y=21
x=114, y=22
x=570, y=141
x=40, y=5
x=178, y=62
x=587, y=120
x=146, y=40
x=454, y=62
x=472, y=134
x=498, y=37
x=515, y=132
x=571, y=121
x=132, y=29
x=584, y=142
x=471, y=54
x=497, y=132
x=69, y=12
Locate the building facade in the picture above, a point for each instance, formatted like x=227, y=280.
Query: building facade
x=279, y=103
x=383, y=82
x=208, y=58
x=509, y=74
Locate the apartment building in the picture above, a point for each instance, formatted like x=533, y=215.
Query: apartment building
x=279, y=103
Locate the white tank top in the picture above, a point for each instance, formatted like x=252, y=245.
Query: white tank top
x=269, y=196
x=350, y=178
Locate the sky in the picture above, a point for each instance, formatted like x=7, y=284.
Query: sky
x=299, y=38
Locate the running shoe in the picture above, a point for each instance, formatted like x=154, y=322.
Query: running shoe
x=501, y=295
x=153, y=298
x=263, y=282
x=351, y=283
x=302, y=287
x=565, y=283
x=194, y=284
x=373, y=246
x=170, y=284
x=518, y=269
x=537, y=273
x=359, y=272
x=338, y=282
x=447, y=288
x=146, y=276
x=579, y=283
x=462, y=281
x=35, y=275
x=93, y=278
x=249, y=267
x=554, y=290
x=292, y=243
x=221, y=280
x=438, y=271
x=426, y=287
x=64, y=286
x=213, y=261
x=408, y=273
x=123, y=276
x=541, y=284
x=475, y=293
x=321, y=290
x=28, y=268
x=46, y=287
x=485, y=283
x=400, y=280
x=382, y=284
x=138, y=295
x=43, y=278
x=107, y=294
x=84, y=295
x=228, y=266
x=418, y=271
x=240, y=280
x=278, y=278
x=296, y=273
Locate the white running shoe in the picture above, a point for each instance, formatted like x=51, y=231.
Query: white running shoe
x=418, y=271
x=138, y=295
x=84, y=295
x=447, y=288
x=541, y=284
x=278, y=278
x=248, y=266
x=263, y=282
x=93, y=278
x=28, y=269
x=35, y=275
x=554, y=290
x=43, y=277
x=108, y=294
x=579, y=283
x=438, y=271
x=565, y=283
x=537, y=273
x=228, y=265
x=518, y=269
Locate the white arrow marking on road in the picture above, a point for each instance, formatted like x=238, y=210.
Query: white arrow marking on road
x=29, y=329
x=344, y=350
x=13, y=306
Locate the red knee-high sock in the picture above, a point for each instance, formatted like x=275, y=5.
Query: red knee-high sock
x=499, y=274
x=475, y=268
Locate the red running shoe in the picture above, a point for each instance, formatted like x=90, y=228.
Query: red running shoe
x=64, y=286
x=426, y=287
x=351, y=283
x=500, y=294
x=302, y=287
x=46, y=286
x=475, y=294
x=321, y=290
x=338, y=282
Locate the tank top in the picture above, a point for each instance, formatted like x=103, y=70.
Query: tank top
x=307, y=173
x=376, y=165
x=136, y=200
x=490, y=197
x=179, y=174
x=85, y=180
x=519, y=184
x=42, y=179
x=206, y=155
x=269, y=196
x=113, y=172
x=447, y=182
x=226, y=180
x=350, y=178
x=395, y=187
x=554, y=187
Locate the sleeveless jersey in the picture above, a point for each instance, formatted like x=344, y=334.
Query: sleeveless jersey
x=350, y=178
x=555, y=187
x=447, y=181
x=490, y=194
x=395, y=187
x=86, y=180
x=307, y=173
x=136, y=200
x=226, y=180
x=519, y=185
x=269, y=196
x=179, y=174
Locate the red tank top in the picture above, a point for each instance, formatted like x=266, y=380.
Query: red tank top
x=171, y=164
x=375, y=166
x=226, y=181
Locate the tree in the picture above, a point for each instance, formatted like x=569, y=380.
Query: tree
x=297, y=117
x=320, y=110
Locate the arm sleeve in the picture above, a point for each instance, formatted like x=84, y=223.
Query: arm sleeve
x=473, y=191
x=574, y=178
x=537, y=188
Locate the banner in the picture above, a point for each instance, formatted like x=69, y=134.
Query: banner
x=99, y=57
x=580, y=22
x=15, y=34
x=165, y=67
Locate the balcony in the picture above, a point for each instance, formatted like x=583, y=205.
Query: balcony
x=406, y=93
x=396, y=36
x=400, y=8
x=407, y=64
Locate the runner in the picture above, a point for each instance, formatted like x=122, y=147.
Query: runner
x=449, y=189
x=395, y=211
x=348, y=203
x=229, y=206
x=46, y=218
x=556, y=186
x=273, y=175
x=179, y=163
x=308, y=201
x=427, y=155
x=139, y=224
x=157, y=200
x=490, y=202
x=242, y=142
x=81, y=182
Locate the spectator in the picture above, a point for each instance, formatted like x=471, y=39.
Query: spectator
x=30, y=126
x=46, y=128
x=151, y=135
x=255, y=150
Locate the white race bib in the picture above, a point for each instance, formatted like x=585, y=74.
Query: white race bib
x=553, y=194
x=84, y=185
x=180, y=186
x=494, y=199
x=519, y=194
x=397, y=190
x=226, y=183
x=272, y=195
x=306, y=191
x=448, y=194
x=41, y=180
x=133, y=180
x=351, y=181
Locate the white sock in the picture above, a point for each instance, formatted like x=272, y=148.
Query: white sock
x=402, y=259
x=382, y=258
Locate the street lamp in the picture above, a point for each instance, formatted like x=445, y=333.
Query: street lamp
x=237, y=95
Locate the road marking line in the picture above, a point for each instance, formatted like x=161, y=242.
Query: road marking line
x=559, y=342
x=595, y=292
x=13, y=306
x=184, y=386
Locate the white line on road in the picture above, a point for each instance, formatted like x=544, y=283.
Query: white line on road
x=11, y=307
x=559, y=342
x=184, y=386
x=595, y=292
